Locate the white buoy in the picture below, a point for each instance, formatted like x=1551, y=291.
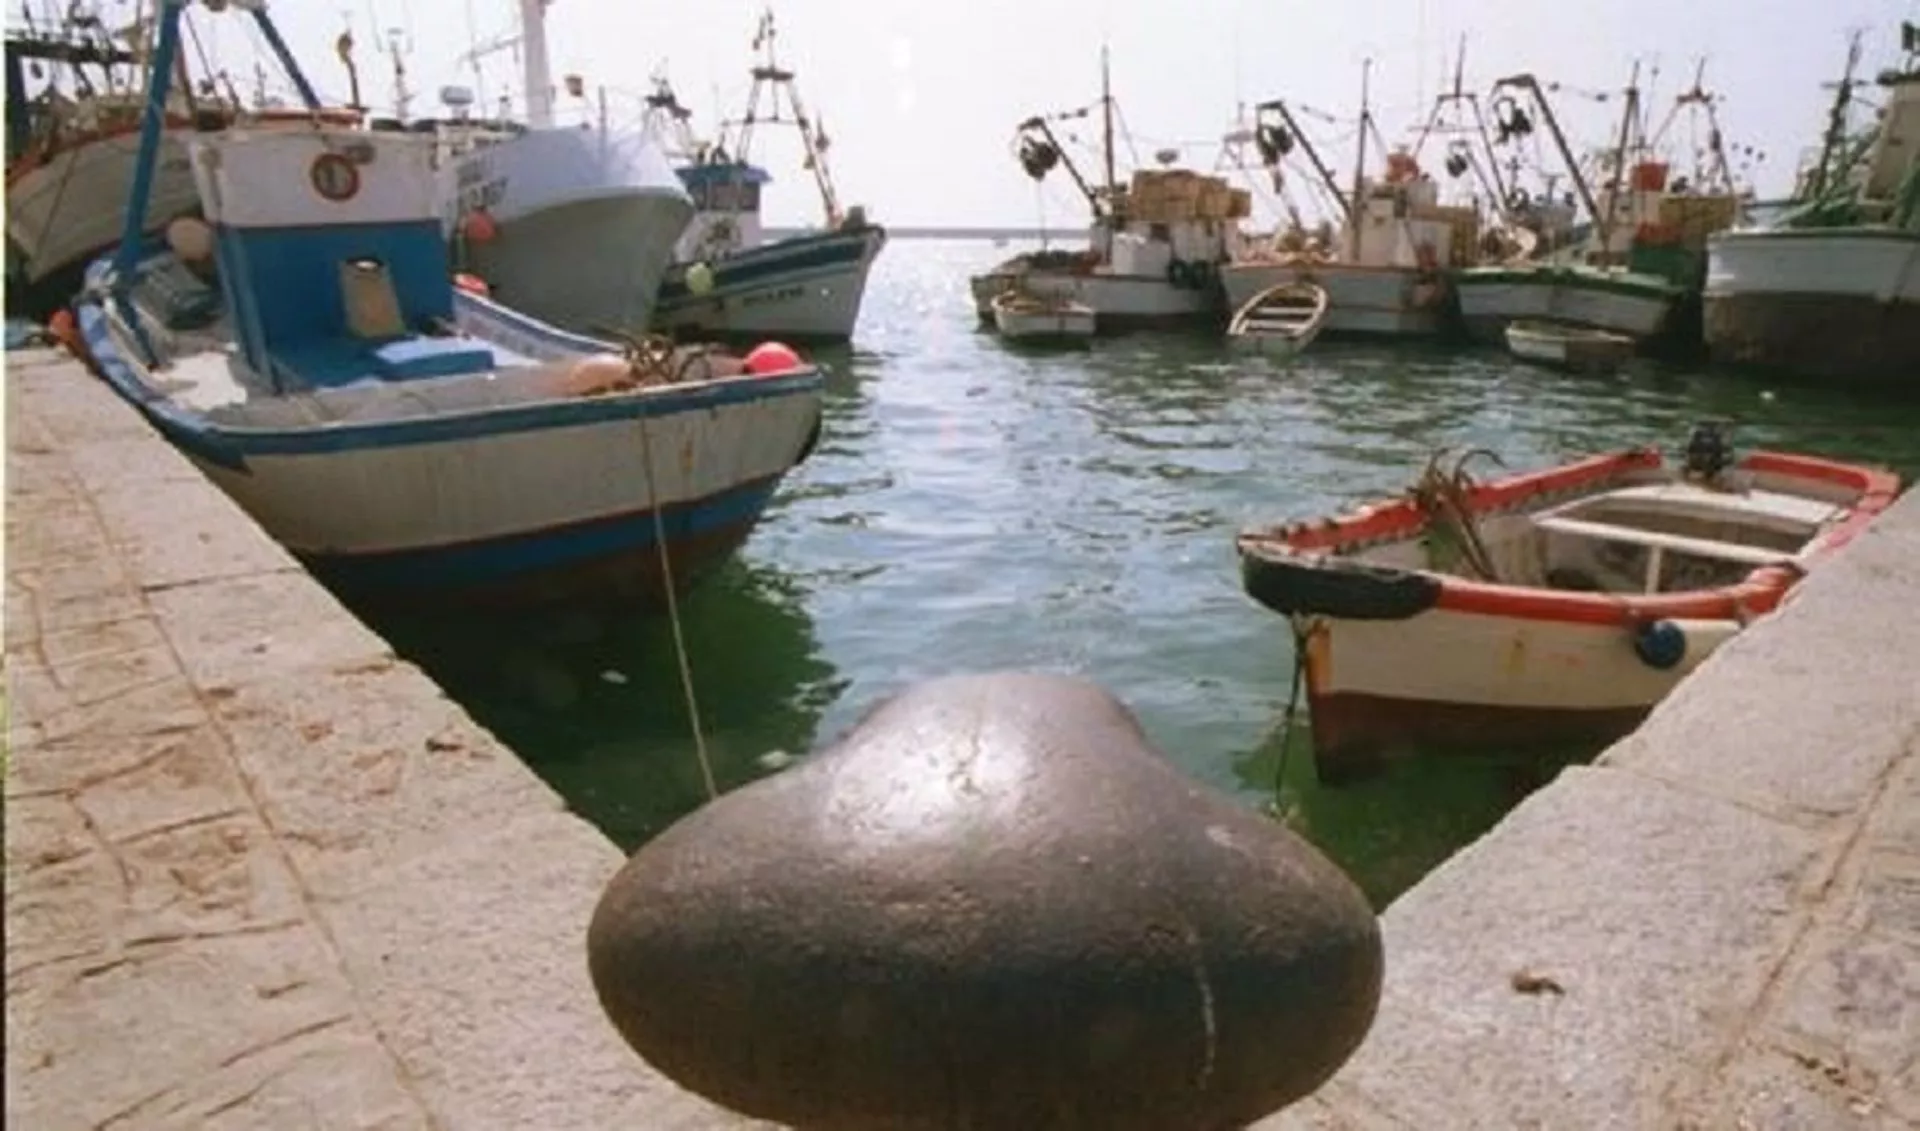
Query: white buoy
x=191, y=239
x=699, y=279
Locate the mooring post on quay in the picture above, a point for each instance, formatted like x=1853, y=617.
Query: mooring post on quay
x=990, y=904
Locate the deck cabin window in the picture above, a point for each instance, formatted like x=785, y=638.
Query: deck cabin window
x=727, y=196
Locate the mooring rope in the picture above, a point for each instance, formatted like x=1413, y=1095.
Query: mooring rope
x=647, y=356
x=1302, y=635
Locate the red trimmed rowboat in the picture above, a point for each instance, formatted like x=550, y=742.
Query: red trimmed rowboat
x=1554, y=607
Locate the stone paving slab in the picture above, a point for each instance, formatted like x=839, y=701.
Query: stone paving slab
x=1716, y=926
x=259, y=872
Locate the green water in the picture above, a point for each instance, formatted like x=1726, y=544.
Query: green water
x=972, y=507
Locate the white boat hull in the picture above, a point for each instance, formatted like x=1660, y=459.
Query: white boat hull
x=1489, y=303
x=1272, y=345
x=585, y=224
x=397, y=499
x=63, y=213
x=805, y=289
x=1361, y=301
x=1118, y=302
x=1618, y=575
x=1279, y=323
x=1841, y=304
x=1063, y=325
x=1487, y=678
x=1587, y=353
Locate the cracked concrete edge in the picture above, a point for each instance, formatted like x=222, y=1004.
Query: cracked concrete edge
x=288, y=659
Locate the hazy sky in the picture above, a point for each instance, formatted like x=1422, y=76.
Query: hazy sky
x=920, y=98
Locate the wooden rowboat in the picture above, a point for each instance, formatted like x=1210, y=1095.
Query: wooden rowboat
x=1550, y=608
x=1042, y=319
x=1280, y=320
x=1581, y=349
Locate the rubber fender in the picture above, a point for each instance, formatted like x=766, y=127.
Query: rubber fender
x=1672, y=643
x=1336, y=588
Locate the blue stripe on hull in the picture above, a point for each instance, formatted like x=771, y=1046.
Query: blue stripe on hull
x=229, y=447
x=765, y=265
x=708, y=528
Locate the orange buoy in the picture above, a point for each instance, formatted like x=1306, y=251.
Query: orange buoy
x=472, y=284
x=477, y=226
x=772, y=357
x=64, y=328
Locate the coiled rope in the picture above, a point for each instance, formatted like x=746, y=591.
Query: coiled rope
x=1445, y=498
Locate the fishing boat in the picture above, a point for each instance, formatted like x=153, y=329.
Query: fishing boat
x=1543, y=609
x=1638, y=269
x=1831, y=289
x=1154, y=245
x=1385, y=270
x=571, y=221
x=405, y=438
x=72, y=141
x=1578, y=349
x=1033, y=319
x=727, y=279
x=1280, y=320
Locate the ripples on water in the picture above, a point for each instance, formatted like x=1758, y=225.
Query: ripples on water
x=971, y=507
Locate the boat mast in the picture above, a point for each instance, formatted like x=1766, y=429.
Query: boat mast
x=1836, y=118
x=769, y=72
x=1718, y=171
x=1356, y=212
x=1459, y=95
x=398, y=45
x=1604, y=225
x=1320, y=168
x=536, y=70
x=153, y=123
x=1532, y=85
x=1106, y=124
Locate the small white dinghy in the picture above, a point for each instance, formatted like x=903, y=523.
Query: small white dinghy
x=1280, y=320
x=1580, y=349
x=1022, y=316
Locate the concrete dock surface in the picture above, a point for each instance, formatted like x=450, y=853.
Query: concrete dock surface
x=261, y=873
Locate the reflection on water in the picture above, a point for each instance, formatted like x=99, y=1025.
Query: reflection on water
x=595, y=702
x=972, y=507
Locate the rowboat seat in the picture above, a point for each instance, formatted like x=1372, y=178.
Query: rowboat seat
x=1698, y=547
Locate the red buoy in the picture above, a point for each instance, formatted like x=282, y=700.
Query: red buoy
x=472, y=284
x=477, y=226
x=772, y=357
x=64, y=328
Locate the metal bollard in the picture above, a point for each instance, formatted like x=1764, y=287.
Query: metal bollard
x=989, y=905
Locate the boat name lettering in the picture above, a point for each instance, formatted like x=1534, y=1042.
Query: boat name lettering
x=780, y=295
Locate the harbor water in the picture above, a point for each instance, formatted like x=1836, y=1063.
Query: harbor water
x=975, y=507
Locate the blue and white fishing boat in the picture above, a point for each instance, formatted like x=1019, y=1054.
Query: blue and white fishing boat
x=727, y=279
x=400, y=436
